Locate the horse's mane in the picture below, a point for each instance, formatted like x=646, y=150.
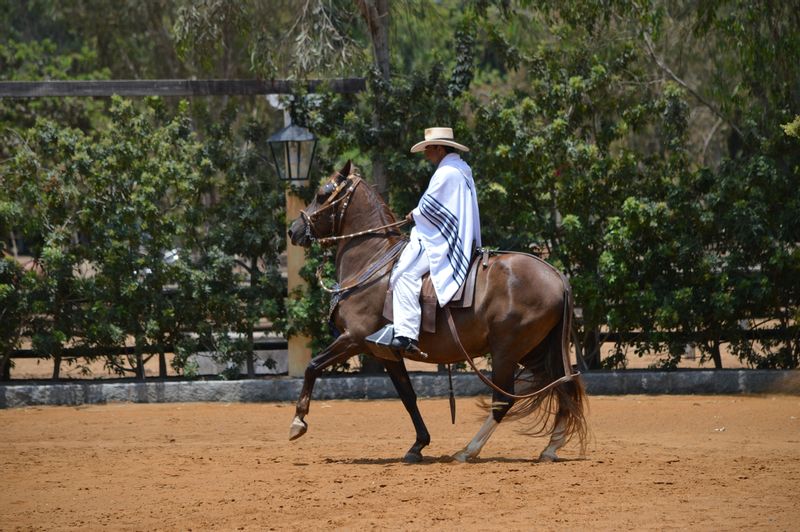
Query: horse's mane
x=374, y=198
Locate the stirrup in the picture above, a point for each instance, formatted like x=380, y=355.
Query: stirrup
x=381, y=344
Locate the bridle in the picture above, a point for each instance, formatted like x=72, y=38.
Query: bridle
x=342, y=194
x=333, y=200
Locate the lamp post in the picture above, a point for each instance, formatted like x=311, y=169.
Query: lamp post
x=293, y=149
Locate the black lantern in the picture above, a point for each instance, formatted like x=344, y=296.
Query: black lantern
x=293, y=150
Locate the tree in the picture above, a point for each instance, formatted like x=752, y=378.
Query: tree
x=245, y=236
x=638, y=144
x=15, y=312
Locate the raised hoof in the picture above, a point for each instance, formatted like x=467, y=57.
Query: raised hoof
x=298, y=428
x=412, y=458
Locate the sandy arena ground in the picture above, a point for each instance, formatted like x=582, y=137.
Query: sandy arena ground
x=665, y=462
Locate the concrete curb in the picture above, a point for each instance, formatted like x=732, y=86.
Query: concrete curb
x=380, y=387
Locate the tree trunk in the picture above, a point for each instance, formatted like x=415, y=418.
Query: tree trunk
x=5, y=367
x=376, y=15
x=139, y=361
x=591, y=348
x=579, y=354
x=716, y=355
x=162, y=363
x=371, y=364
x=251, y=355
x=379, y=170
x=139, y=367
x=57, y=366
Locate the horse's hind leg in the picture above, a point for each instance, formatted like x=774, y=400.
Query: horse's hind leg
x=474, y=447
x=570, y=419
x=501, y=404
x=557, y=438
x=399, y=375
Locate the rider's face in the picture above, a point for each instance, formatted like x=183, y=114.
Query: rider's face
x=435, y=154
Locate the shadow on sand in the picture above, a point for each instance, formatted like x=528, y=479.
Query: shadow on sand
x=445, y=459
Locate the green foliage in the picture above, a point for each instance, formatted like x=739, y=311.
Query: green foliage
x=129, y=244
x=792, y=129
x=271, y=39
x=16, y=286
x=648, y=148
x=590, y=158
x=38, y=60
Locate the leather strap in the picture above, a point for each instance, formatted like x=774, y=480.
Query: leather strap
x=568, y=375
x=367, y=273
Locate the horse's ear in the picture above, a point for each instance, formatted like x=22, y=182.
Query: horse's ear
x=345, y=171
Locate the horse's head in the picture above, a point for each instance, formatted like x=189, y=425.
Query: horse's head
x=319, y=219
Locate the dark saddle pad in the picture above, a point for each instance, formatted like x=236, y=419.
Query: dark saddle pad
x=464, y=297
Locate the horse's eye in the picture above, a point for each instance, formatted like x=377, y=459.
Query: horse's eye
x=325, y=191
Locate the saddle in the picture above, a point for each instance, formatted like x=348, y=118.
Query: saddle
x=463, y=298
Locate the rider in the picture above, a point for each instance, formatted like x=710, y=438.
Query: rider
x=447, y=231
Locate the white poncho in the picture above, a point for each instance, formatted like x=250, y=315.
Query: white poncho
x=448, y=224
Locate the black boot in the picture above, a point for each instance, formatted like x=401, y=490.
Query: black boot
x=384, y=344
x=402, y=343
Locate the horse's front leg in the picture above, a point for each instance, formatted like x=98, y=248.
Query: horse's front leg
x=399, y=375
x=340, y=350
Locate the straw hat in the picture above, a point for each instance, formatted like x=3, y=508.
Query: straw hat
x=438, y=136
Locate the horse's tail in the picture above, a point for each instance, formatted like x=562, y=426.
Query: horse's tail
x=566, y=402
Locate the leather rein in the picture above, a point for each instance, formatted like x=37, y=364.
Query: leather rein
x=566, y=320
x=568, y=375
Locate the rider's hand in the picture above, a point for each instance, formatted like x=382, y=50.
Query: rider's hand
x=409, y=218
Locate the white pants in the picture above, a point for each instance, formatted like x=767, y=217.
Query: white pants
x=406, y=283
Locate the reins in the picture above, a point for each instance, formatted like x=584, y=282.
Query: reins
x=568, y=376
x=329, y=239
x=366, y=274
x=369, y=272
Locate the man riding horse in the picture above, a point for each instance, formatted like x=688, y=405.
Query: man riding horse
x=519, y=309
x=447, y=231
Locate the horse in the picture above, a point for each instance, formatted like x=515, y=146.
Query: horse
x=521, y=314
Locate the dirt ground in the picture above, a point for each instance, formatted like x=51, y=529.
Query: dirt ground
x=655, y=462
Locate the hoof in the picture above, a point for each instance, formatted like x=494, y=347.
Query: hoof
x=298, y=428
x=548, y=457
x=412, y=458
x=462, y=456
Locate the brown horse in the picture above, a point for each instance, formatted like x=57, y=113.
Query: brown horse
x=521, y=315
